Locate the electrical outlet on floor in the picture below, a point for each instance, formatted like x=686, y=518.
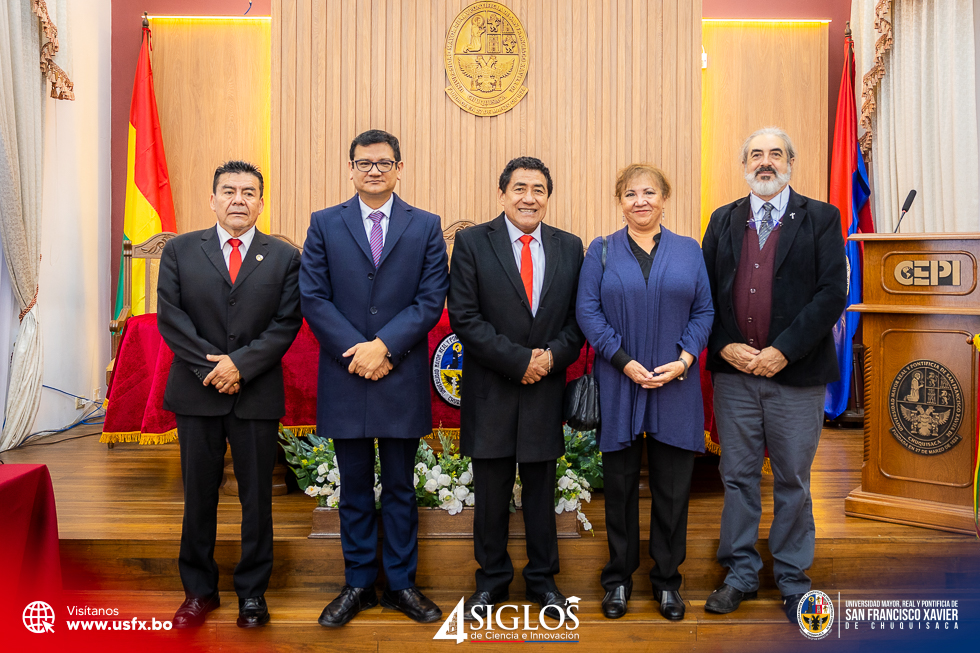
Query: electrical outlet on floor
x=79, y=403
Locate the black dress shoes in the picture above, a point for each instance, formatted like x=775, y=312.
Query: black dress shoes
x=614, y=603
x=553, y=600
x=348, y=603
x=191, y=612
x=413, y=603
x=791, y=604
x=252, y=612
x=726, y=599
x=671, y=604
x=479, y=600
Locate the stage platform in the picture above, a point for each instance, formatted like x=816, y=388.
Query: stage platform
x=119, y=514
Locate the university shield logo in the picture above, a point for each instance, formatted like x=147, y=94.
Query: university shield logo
x=815, y=614
x=447, y=369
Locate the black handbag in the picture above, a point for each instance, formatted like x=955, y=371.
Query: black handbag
x=581, y=409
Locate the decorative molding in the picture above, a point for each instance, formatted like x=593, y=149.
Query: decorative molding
x=152, y=247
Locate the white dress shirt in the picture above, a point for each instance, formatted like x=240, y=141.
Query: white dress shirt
x=369, y=223
x=224, y=237
x=537, y=258
x=778, y=202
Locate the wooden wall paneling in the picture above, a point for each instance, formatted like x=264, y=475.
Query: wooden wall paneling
x=596, y=101
x=304, y=110
x=333, y=154
x=319, y=79
x=759, y=74
x=289, y=130
x=272, y=195
x=213, y=98
x=609, y=130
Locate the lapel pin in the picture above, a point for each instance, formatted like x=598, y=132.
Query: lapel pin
x=259, y=257
x=792, y=216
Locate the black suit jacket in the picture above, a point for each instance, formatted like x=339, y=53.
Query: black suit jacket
x=254, y=321
x=490, y=313
x=809, y=287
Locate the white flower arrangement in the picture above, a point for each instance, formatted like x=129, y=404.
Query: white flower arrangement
x=443, y=480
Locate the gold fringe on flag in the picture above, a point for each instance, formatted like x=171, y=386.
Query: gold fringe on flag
x=711, y=447
x=709, y=444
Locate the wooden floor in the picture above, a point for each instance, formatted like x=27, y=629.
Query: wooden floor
x=120, y=512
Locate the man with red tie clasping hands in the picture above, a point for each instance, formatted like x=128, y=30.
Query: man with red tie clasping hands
x=228, y=307
x=512, y=293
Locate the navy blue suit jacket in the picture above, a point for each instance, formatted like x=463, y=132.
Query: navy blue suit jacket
x=346, y=300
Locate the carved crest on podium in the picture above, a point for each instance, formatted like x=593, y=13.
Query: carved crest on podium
x=486, y=59
x=926, y=406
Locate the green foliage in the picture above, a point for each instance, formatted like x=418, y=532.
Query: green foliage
x=582, y=454
x=444, y=480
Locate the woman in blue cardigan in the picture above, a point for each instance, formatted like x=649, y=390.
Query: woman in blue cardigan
x=648, y=314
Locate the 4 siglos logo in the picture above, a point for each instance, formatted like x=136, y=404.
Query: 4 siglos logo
x=505, y=627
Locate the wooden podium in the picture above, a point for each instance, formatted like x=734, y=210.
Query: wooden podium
x=921, y=307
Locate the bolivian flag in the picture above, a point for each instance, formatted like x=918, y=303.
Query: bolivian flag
x=149, y=203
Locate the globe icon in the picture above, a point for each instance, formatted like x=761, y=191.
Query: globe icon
x=39, y=617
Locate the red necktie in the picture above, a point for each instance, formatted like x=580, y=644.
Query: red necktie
x=235, y=260
x=527, y=270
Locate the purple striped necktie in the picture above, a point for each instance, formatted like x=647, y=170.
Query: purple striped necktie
x=377, y=237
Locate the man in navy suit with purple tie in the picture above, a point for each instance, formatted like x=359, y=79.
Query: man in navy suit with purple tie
x=373, y=282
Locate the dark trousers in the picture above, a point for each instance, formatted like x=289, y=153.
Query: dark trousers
x=399, y=510
x=670, y=486
x=493, y=479
x=254, y=449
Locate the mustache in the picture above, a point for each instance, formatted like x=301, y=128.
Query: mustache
x=762, y=169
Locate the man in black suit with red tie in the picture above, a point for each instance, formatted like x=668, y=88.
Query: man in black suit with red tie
x=228, y=307
x=512, y=289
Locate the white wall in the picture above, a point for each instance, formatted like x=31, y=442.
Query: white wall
x=73, y=300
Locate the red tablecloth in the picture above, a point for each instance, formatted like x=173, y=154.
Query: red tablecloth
x=134, y=404
x=29, y=555
x=134, y=408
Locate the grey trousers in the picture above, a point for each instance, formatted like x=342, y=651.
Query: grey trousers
x=753, y=413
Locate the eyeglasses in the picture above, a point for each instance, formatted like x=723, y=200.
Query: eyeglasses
x=383, y=166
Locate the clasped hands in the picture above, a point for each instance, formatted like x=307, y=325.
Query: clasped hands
x=225, y=377
x=538, y=368
x=370, y=359
x=648, y=380
x=750, y=360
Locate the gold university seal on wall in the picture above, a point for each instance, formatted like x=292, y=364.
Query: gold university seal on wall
x=486, y=59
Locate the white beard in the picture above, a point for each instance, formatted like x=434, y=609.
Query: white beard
x=771, y=187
